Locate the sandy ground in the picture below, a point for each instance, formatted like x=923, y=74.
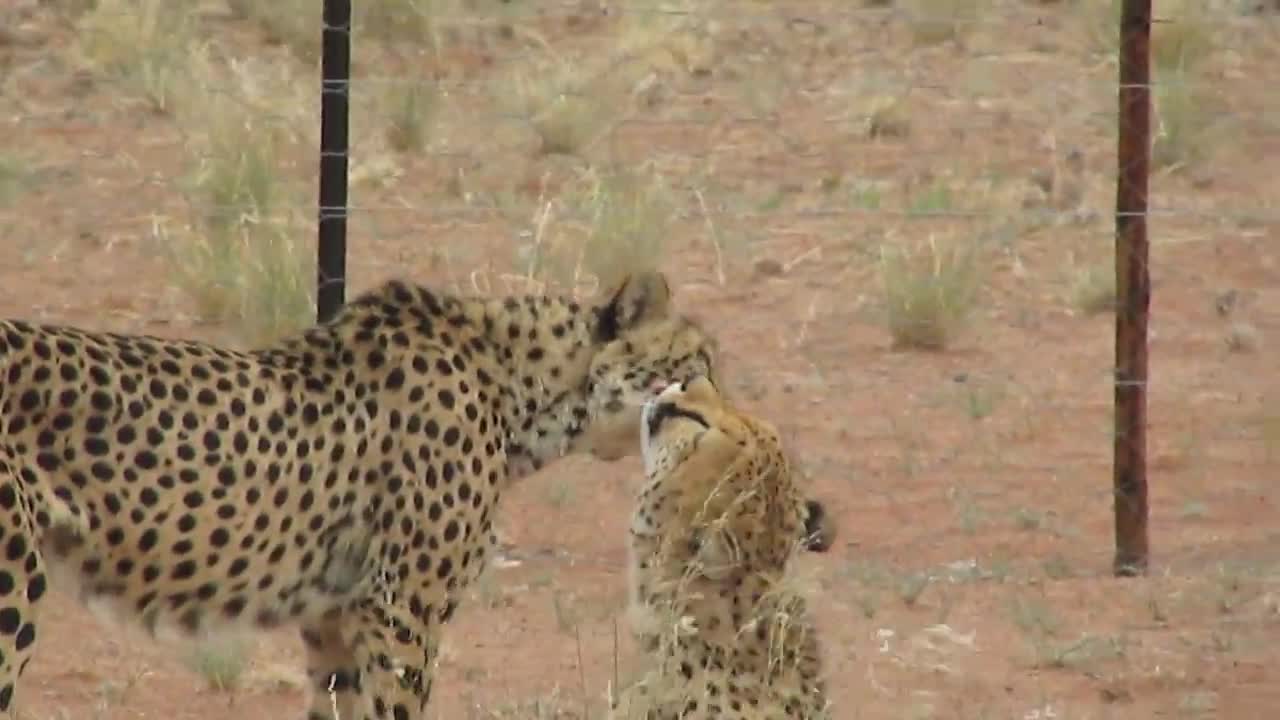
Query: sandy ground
x=971, y=485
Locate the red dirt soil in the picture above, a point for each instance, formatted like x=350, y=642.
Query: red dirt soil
x=971, y=485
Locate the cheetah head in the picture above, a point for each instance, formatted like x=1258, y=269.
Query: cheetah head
x=727, y=471
x=640, y=346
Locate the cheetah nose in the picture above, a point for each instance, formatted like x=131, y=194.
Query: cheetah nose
x=657, y=385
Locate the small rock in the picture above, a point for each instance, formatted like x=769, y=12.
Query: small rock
x=768, y=267
x=1115, y=695
x=1225, y=301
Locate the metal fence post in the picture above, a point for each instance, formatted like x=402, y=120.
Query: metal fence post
x=1133, y=285
x=331, y=246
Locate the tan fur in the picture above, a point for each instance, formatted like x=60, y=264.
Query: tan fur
x=344, y=482
x=712, y=537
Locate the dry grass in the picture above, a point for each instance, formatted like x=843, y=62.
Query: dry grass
x=256, y=279
x=292, y=23
x=555, y=705
x=244, y=259
x=888, y=117
x=1093, y=289
x=411, y=114
x=629, y=214
x=221, y=661
x=144, y=44
x=1182, y=35
x=608, y=223
x=1185, y=119
x=1269, y=429
x=929, y=291
x=407, y=21
x=296, y=23
x=933, y=22
x=560, y=100
x=15, y=176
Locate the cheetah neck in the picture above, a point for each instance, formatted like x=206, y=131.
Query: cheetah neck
x=544, y=346
x=534, y=350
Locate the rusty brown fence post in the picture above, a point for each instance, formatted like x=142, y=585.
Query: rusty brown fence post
x=1133, y=291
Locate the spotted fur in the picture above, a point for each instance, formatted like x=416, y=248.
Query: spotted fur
x=713, y=532
x=343, y=481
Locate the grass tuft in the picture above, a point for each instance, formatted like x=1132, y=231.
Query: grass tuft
x=555, y=705
x=616, y=221
x=888, y=117
x=411, y=113
x=563, y=104
x=409, y=21
x=630, y=215
x=1183, y=34
x=933, y=22
x=1185, y=124
x=145, y=44
x=930, y=292
x=1093, y=289
x=295, y=24
x=222, y=662
x=15, y=177
x=241, y=261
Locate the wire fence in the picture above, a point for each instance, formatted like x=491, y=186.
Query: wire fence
x=811, y=174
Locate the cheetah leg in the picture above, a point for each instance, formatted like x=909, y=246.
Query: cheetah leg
x=400, y=657
x=373, y=662
x=22, y=585
x=332, y=671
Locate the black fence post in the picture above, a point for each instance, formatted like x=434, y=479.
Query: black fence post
x=331, y=246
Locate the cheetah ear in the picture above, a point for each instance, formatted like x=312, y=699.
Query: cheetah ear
x=638, y=299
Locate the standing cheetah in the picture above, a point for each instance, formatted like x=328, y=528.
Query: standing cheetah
x=344, y=481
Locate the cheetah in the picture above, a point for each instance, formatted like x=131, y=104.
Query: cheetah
x=713, y=531
x=342, y=482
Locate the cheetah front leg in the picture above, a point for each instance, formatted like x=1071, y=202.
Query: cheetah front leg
x=332, y=671
x=373, y=662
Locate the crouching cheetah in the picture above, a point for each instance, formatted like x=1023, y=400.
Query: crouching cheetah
x=343, y=481
x=715, y=526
